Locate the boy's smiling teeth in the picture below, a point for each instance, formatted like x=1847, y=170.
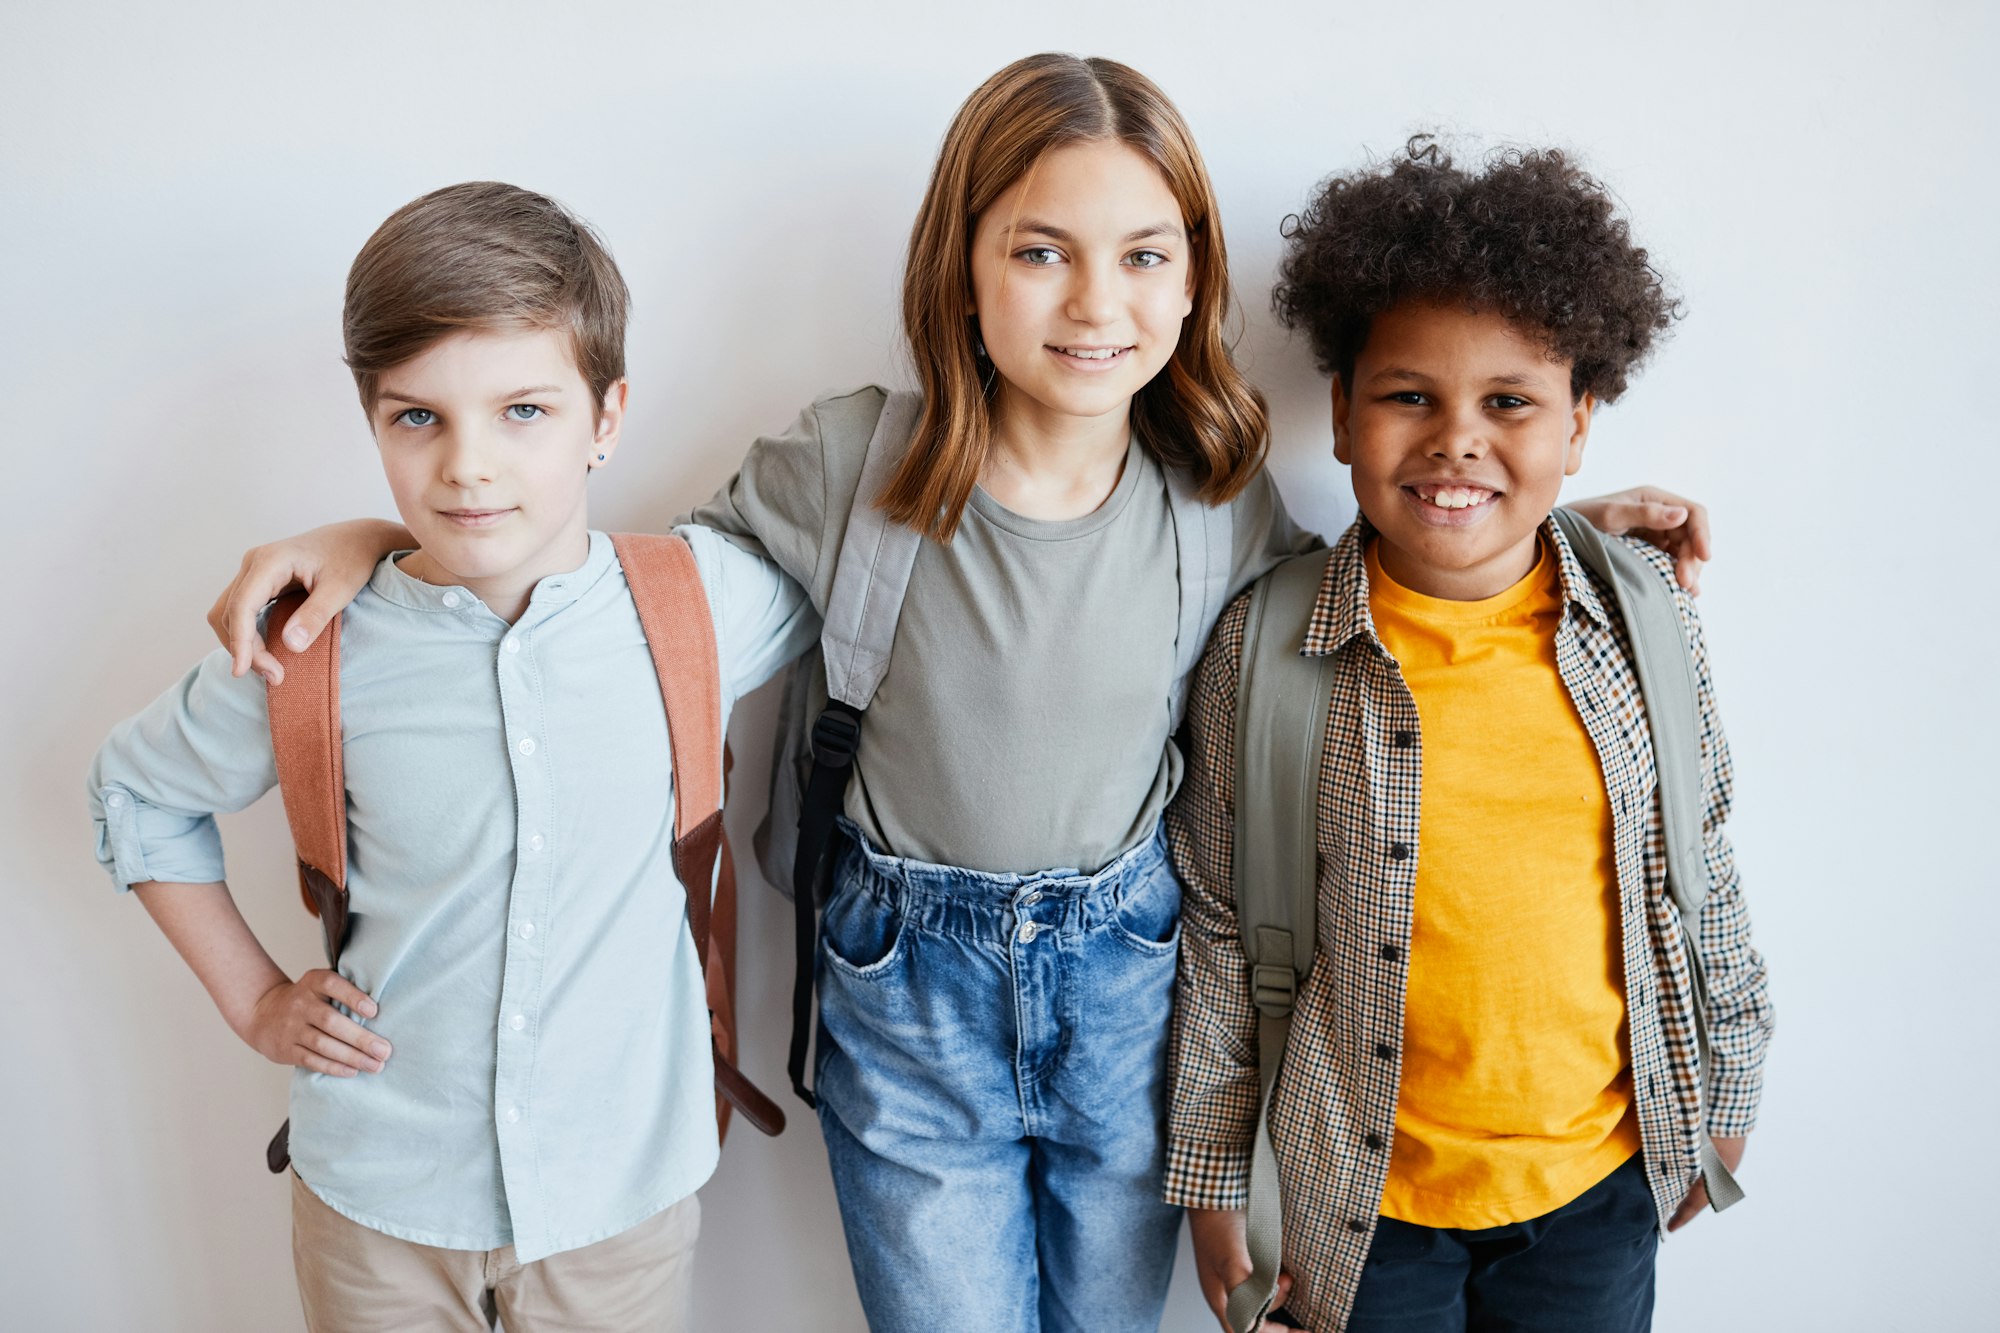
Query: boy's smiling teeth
x=1453, y=497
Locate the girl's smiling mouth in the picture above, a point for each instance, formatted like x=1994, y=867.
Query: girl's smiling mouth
x=1092, y=359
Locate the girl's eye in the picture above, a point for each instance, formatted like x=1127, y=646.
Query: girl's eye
x=526, y=412
x=1146, y=259
x=415, y=416
x=1040, y=256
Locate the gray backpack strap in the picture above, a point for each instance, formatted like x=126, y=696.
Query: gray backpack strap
x=873, y=573
x=875, y=560
x=1205, y=536
x=1661, y=660
x=1282, y=699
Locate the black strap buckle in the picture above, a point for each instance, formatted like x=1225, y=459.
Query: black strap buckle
x=836, y=735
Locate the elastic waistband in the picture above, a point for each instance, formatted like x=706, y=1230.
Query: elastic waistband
x=1143, y=858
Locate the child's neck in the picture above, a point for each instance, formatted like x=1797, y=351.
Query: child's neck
x=505, y=593
x=1051, y=467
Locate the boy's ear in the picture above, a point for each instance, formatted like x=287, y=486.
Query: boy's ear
x=610, y=421
x=1343, y=447
x=1579, y=432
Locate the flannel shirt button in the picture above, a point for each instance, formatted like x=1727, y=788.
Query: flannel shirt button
x=1399, y=851
x=1384, y=1051
x=1357, y=1226
x=1390, y=953
x=1374, y=1141
x=1404, y=740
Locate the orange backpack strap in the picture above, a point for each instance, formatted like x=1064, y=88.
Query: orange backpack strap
x=680, y=632
x=305, y=739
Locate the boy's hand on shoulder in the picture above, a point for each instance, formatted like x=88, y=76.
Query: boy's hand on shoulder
x=295, y=1023
x=332, y=563
x=1673, y=523
x=1222, y=1257
x=1731, y=1153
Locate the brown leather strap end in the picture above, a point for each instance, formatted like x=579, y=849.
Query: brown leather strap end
x=762, y=1113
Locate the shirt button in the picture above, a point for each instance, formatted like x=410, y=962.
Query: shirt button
x=114, y=800
x=512, y=643
x=1027, y=932
x=1384, y=1051
x=1357, y=1226
x=513, y=1115
x=450, y=601
x=1404, y=740
x=527, y=930
x=528, y=745
x=535, y=843
x=1398, y=851
x=1374, y=1141
x=517, y=1022
x=1390, y=953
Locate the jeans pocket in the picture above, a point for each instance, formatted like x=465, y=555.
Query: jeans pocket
x=1147, y=914
x=861, y=933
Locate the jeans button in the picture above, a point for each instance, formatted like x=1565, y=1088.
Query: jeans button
x=1027, y=932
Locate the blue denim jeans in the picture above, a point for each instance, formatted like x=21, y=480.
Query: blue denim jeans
x=992, y=1083
x=1587, y=1267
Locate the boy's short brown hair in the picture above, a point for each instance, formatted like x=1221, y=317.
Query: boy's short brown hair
x=487, y=256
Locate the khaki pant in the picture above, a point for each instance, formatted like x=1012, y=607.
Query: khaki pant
x=355, y=1280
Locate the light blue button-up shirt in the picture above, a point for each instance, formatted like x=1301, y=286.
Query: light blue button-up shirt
x=513, y=904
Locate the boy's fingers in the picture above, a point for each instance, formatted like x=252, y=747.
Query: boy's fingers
x=342, y=1028
x=339, y=1052
x=342, y=991
x=1691, y=1206
x=319, y=1064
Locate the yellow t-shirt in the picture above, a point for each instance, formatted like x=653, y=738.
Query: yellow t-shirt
x=1516, y=1087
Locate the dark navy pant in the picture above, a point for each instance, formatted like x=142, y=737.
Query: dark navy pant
x=1587, y=1267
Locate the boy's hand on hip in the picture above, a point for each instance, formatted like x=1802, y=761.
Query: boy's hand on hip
x=1222, y=1257
x=1731, y=1153
x=1676, y=525
x=332, y=563
x=295, y=1023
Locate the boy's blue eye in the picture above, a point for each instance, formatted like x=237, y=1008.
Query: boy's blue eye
x=415, y=416
x=526, y=411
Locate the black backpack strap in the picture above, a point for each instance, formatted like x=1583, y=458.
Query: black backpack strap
x=834, y=739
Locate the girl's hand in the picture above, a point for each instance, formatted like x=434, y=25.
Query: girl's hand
x=1731, y=1153
x=295, y=1023
x=1675, y=525
x=332, y=564
x=1222, y=1258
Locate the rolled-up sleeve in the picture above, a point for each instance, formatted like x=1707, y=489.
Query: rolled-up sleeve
x=161, y=777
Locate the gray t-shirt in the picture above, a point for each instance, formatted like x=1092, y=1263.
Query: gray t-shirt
x=1024, y=723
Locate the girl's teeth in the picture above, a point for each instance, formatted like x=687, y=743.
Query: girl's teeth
x=1093, y=354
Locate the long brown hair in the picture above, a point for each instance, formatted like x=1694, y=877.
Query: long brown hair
x=1199, y=413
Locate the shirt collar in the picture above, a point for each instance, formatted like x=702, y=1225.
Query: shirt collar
x=1341, y=615
x=393, y=585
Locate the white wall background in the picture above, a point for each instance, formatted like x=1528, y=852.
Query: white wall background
x=182, y=187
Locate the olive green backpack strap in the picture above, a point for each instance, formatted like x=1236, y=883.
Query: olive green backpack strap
x=1665, y=667
x=1282, y=698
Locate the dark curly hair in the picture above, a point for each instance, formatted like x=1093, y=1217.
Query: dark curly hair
x=1532, y=236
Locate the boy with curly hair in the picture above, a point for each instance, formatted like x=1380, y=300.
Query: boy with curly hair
x=1489, y=1108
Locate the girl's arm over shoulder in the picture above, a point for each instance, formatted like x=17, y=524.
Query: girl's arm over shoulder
x=332, y=563
x=791, y=497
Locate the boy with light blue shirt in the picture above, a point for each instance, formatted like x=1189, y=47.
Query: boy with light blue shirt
x=504, y=1100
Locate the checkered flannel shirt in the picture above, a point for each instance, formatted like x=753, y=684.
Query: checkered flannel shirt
x=1334, y=1111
